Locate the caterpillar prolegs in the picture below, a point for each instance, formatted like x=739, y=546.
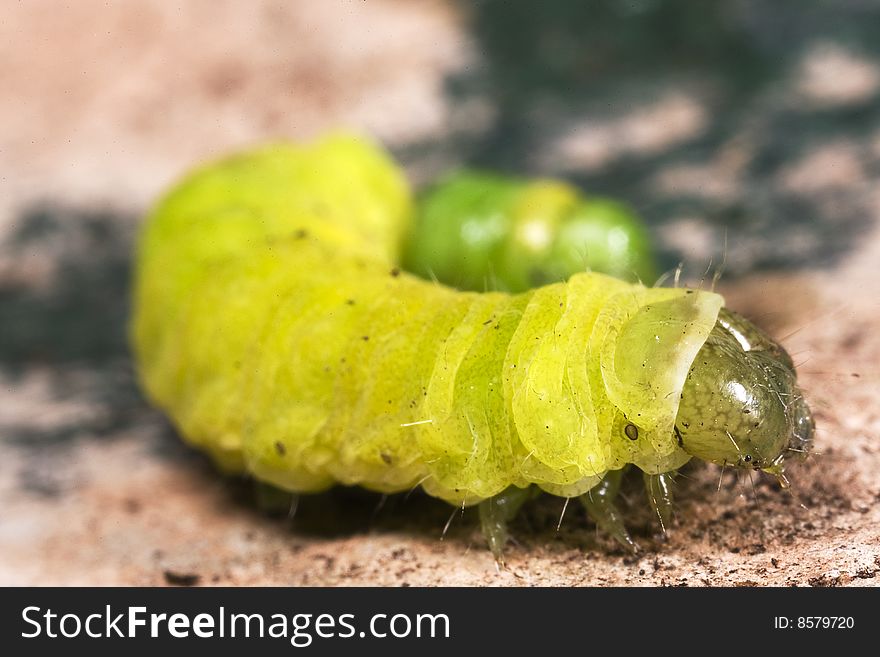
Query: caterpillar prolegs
x=274, y=326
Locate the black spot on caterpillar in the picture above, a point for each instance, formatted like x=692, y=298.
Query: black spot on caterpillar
x=268, y=327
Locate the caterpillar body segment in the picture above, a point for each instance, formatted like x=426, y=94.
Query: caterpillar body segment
x=482, y=231
x=374, y=377
x=274, y=326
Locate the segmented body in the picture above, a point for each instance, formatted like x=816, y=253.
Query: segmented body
x=481, y=231
x=273, y=325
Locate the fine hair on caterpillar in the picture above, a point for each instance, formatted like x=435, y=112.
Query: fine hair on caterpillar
x=274, y=325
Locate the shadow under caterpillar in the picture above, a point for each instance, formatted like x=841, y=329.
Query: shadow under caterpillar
x=273, y=324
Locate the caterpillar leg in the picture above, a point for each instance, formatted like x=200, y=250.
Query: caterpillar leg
x=658, y=488
x=496, y=512
x=599, y=503
x=274, y=501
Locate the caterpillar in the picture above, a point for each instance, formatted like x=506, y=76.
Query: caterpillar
x=273, y=324
x=478, y=230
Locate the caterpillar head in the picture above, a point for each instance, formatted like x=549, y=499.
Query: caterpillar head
x=741, y=405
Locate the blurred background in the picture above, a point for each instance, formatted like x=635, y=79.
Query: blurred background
x=752, y=122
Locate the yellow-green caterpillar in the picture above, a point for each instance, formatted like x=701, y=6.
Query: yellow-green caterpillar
x=272, y=323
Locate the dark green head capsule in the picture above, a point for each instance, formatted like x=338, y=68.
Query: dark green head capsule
x=741, y=405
